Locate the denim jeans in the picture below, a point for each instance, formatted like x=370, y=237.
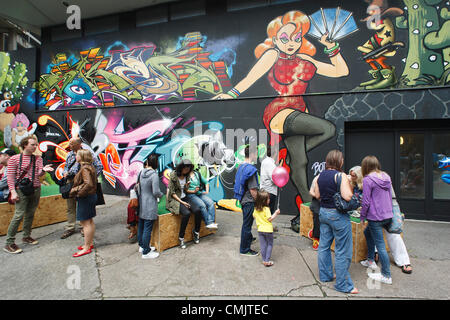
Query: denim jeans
x=205, y=205
x=144, y=234
x=374, y=237
x=337, y=226
x=246, y=231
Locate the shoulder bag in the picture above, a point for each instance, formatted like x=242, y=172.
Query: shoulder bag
x=25, y=184
x=398, y=218
x=342, y=205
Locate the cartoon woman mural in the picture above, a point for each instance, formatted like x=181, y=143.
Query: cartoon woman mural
x=20, y=130
x=287, y=56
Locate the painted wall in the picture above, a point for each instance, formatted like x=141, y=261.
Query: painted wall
x=166, y=88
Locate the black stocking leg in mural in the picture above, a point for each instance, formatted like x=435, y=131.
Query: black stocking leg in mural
x=302, y=133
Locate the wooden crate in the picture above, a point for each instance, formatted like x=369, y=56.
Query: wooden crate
x=166, y=228
x=359, y=240
x=51, y=209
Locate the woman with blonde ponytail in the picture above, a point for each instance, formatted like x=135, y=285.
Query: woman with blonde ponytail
x=287, y=56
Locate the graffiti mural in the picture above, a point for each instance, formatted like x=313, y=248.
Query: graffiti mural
x=298, y=72
x=381, y=45
x=135, y=76
x=428, y=25
x=287, y=56
x=13, y=81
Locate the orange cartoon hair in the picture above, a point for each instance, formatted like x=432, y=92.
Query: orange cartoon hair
x=302, y=24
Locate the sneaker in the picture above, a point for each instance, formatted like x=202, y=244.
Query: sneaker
x=315, y=245
x=30, y=240
x=150, y=255
x=379, y=277
x=211, y=226
x=310, y=234
x=251, y=253
x=182, y=244
x=369, y=264
x=142, y=249
x=12, y=248
x=196, y=237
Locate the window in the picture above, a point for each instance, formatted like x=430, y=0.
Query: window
x=412, y=183
x=151, y=16
x=235, y=5
x=272, y=2
x=187, y=9
x=62, y=33
x=101, y=25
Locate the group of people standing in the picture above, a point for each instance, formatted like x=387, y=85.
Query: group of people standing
x=187, y=193
x=374, y=189
x=23, y=172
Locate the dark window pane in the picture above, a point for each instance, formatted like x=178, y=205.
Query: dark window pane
x=441, y=166
x=187, y=9
x=101, y=25
x=152, y=15
x=234, y=5
x=412, y=166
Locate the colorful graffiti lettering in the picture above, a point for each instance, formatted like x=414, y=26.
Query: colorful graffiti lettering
x=133, y=76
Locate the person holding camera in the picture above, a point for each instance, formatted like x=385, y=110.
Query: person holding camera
x=23, y=174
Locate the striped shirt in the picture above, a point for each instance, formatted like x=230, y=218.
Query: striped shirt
x=14, y=172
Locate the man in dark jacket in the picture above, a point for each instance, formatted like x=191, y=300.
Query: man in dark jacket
x=247, y=181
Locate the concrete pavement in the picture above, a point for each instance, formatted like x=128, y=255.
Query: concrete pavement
x=212, y=269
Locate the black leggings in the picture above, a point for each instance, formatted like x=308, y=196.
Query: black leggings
x=302, y=133
x=185, y=215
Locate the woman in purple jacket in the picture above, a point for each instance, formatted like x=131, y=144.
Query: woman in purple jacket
x=377, y=210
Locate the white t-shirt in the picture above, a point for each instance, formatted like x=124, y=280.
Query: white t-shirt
x=182, y=184
x=267, y=167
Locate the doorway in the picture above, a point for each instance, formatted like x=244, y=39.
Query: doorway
x=415, y=153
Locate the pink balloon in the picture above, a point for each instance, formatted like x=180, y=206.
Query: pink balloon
x=280, y=176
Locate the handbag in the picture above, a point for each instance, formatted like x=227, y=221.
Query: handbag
x=25, y=184
x=65, y=185
x=137, y=190
x=398, y=218
x=65, y=188
x=100, y=198
x=342, y=205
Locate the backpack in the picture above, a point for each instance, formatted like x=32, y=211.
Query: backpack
x=295, y=223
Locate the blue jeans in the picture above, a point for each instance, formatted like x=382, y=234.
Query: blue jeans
x=335, y=226
x=205, y=205
x=246, y=231
x=374, y=237
x=144, y=234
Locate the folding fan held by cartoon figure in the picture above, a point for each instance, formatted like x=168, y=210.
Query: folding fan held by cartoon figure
x=336, y=22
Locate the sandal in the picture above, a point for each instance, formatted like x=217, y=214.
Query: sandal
x=81, y=247
x=79, y=254
x=268, y=264
x=404, y=270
